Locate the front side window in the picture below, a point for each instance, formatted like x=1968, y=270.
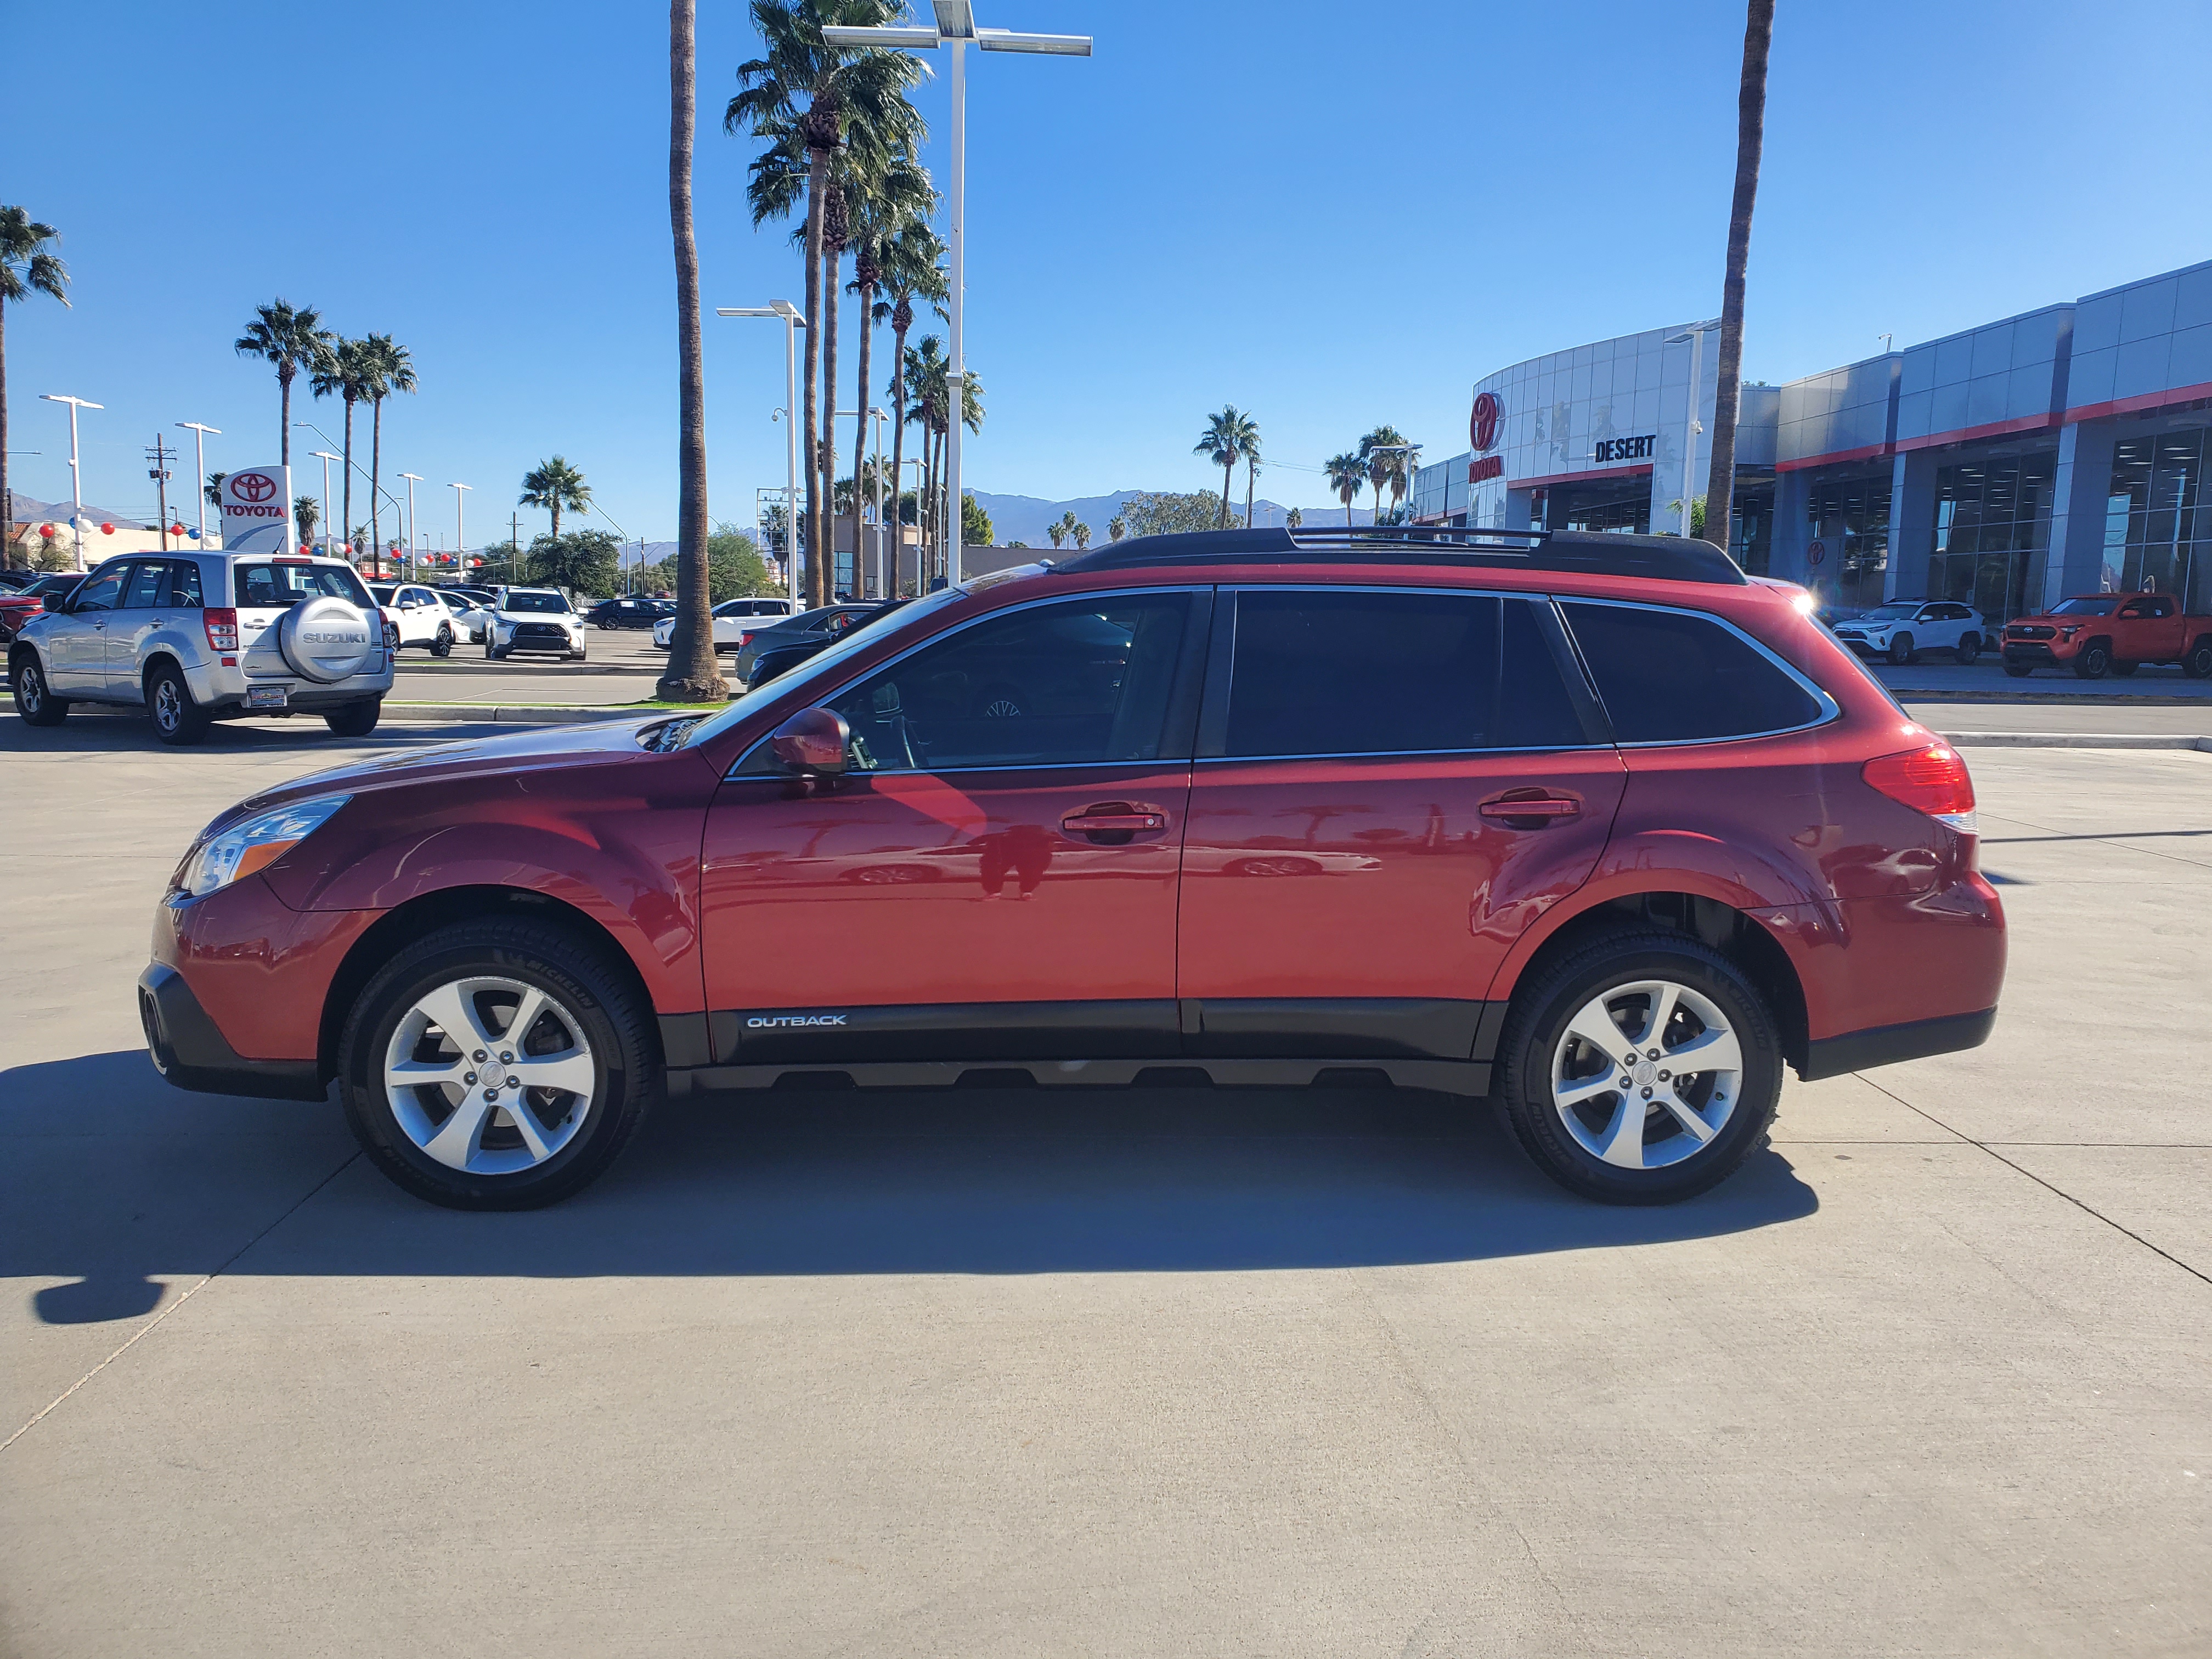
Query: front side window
x=101, y=590
x=181, y=586
x=1328, y=673
x=1670, y=676
x=1081, y=683
x=262, y=586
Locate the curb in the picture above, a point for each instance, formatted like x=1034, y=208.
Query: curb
x=2125, y=699
x=484, y=713
x=2073, y=740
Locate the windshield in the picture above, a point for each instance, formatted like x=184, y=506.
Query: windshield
x=2102, y=606
x=1882, y=613
x=265, y=585
x=893, y=619
x=534, y=604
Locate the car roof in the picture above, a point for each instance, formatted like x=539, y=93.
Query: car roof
x=1491, y=551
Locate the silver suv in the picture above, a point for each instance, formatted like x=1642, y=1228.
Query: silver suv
x=196, y=637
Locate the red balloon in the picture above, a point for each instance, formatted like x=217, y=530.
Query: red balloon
x=46, y=530
x=107, y=530
x=176, y=530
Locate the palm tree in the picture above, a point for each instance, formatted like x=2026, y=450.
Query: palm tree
x=1347, y=476
x=348, y=372
x=394, y=372
x=1060, y=529
x=1224, y=442
x=1382, y=462
x=929, y=389
x=1116, y=527
x=1251, y=473
x=913, y=268
x=306, y=514
x=694, y=672
x=1294, y=518
x=292, y=340
x=1750, y=140
x=213, y=488
x=1081, y=532
x=25, y=267
x=807, y=97
x=557, y=487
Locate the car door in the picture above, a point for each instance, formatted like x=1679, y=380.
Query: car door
x=136, y=615
x=978, y=886
x=76, y=644
x=1390, y=786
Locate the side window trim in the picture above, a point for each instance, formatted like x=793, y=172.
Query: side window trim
x=1213, y=717
x=1830, y=710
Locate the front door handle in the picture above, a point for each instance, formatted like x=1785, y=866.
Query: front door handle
x=1114, y=823
x=1529, y=809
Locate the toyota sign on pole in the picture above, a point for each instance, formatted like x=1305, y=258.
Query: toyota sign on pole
x=257, y=511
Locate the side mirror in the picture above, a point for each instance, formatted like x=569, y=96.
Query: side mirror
x=812, y=742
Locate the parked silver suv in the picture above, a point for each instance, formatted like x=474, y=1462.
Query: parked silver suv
x=196, y=637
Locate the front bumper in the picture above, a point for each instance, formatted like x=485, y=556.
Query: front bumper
x=190, y=1051
x=2039, y=650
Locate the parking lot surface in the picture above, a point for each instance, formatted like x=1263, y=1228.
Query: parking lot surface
x=1174, y=1371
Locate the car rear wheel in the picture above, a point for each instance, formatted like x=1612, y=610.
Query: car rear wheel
x=1900, y=649
x=443, y=645
x=178, y=720
x=2094, y=661
x=1641, y=1070
x=1970, y=647
x=34, y=699
x=496, y=1065
x=355, y=720
x=2197, y=664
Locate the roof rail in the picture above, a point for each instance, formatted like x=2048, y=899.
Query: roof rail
x=1598, y=553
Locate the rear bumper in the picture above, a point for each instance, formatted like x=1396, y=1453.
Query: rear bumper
x=221, y=690
x=190, y=1051
x=1884, y=1045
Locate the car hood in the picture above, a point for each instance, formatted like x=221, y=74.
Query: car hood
x=2045, y=620
x=543, y=748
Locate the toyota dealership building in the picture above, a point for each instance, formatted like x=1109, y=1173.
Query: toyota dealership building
x=2055, y=452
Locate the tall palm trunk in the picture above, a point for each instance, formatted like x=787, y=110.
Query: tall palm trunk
x=861, y=437
x=7, y=501
x=901, y=319
x=375, y=470
x=1251, y=478
x=345, y=519
x=1228, y=472
x=1750, y=140
x=693, y=675
x=833, y=252
x=818, y=178
x=1347, y=512
x=284, y=414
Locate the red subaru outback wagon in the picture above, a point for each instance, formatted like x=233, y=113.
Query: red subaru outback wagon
x=1593, y=825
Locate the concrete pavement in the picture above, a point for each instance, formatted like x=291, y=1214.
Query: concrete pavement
x=1150, y=1371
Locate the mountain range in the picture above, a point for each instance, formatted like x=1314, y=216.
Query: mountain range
x=1026, y=518
x=23, y=509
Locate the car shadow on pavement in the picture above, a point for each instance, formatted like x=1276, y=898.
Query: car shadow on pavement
x=969, y=1180
x=127, y=731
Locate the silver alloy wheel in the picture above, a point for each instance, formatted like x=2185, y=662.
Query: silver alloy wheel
x=31, y=689
x=168, y=712
x=1647, y=1074
x=489, y=1076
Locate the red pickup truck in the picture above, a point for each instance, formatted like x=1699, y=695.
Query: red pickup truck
x=2101, y=634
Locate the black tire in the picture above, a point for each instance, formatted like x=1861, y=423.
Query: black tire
x=443, y=645
x=1536, y=1025
x=35, y=702
x=2094, y=660
x=178, y=720
x=2125, y=670
x=355, y=720
x=1969, y=649
x=2018, y=670
x=613, y=1020
x=1900, y=649
x=2197, y=663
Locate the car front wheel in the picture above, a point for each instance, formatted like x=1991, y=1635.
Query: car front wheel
x=1970, y=647
x=1900, y=649
x=443, y=645
x=1641, y=1069
x=34, y=699
x=496, y=1065
x=2094, y=661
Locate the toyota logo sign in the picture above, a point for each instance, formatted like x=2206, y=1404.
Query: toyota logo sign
x=253, y=486
x=1482, y=427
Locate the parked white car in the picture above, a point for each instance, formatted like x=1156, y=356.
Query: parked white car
x=419, y=614
x=534, y=619
x=735, y=622
x=1902, y=629
x=197, y=637
x=469, y=617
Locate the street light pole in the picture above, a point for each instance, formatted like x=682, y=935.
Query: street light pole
x=325, y=458
x=882, y=575
x=200, y=434
x=1690, y=425
x=461, y=522
x=793, y=320
x=956, y=24
x=77, y=482
x=413, y=478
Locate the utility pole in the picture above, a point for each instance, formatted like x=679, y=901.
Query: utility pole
x=514, y=547
x=160, y=454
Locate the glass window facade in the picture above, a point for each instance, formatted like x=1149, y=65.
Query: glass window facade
x=1850, y=518
x=1606, y=504
x=1992, y=531
x=1751, y=528
x=2157, y=538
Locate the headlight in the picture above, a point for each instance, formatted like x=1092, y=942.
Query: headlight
x=255, y=843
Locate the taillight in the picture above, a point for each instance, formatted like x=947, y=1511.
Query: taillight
x=222, y=624
x=1933, y=780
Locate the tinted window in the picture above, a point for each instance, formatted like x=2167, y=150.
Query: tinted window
x=534, y=604
x=183, y=586
x=1072, y=684
x=265, y=585
x=100, y=590
x=1666, y=677
x=144, y=590
x=2098, y=605
x=385, y=593
x=1350, y=673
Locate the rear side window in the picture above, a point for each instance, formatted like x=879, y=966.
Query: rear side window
x=183, y=585
x=260, y=585
x=1669, y=677
x=1357, y=673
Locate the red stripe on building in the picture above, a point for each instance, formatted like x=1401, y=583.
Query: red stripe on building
x=1835, y=458
x=2184, y=394
x=1641, y=472
x=1966, y=434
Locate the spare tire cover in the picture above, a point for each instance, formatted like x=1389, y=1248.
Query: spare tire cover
x=328, y=640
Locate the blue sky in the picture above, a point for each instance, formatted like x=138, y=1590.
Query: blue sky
x=1332, y=216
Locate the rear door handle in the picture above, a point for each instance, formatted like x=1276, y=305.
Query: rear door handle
x=1116, y=819
x=1531, y=811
